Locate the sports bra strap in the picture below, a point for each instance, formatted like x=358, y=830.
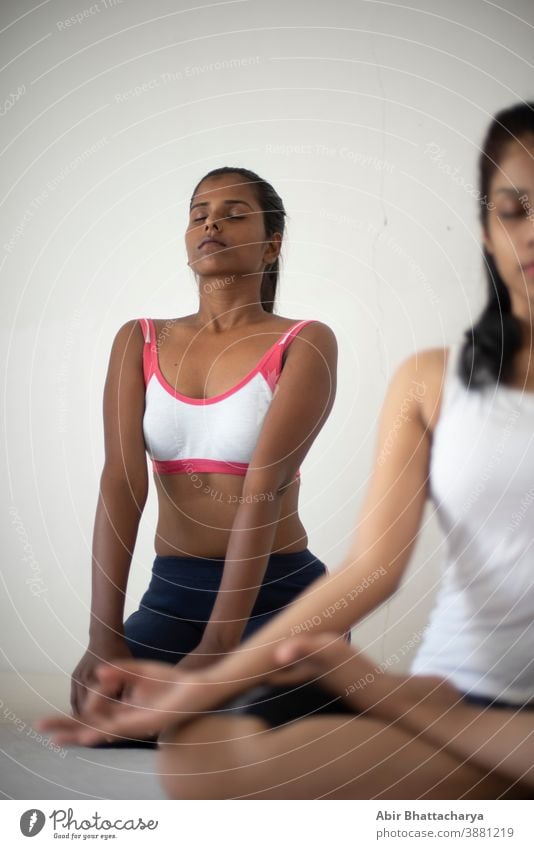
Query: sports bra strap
x=452, y=383
x=292, y=332
x=145, y=327
x=271, y=366
x=149, y=349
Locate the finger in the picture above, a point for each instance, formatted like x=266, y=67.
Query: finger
x=105, y=691
x=106, y=696
x=113, y=676
x=105, y=699
x=63, y=729
x=98, y=703
x=105, y=688
x=131, y=694
x=53, y=723
x=116, y=728
x=109, y=685
x=73, y=696
x=91, y=736
x=79, y=737
x=78, y=693
x=65, y=738
x=141, y=722
x=67, y=730
x=126, y=692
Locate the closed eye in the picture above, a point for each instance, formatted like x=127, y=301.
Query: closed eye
x=201, y=218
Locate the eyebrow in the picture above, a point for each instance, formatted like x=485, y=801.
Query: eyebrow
x=511, y=191
x=232, y=200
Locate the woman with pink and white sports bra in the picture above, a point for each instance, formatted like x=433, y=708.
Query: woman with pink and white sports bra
x=227, y=403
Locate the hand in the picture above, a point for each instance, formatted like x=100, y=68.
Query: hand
x=329, y=661
x=149, y=691
x=83, y=678
x=310, y=658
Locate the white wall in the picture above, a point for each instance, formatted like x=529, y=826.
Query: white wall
x=366, y=116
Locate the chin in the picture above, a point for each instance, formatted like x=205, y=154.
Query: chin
x=213, y=266
x=210, y=265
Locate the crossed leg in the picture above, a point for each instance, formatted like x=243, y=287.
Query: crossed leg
x=326, y=757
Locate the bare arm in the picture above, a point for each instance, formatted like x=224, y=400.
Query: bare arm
x=384, y=539
x=493, y=738
x=122, y=496
x=426, y=706
x=302, y=402
x=385, y=536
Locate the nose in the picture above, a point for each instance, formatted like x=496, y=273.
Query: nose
x=528, y=233
x=212, y=223
x=528, y=209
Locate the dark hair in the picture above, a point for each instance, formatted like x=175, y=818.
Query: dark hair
x=273, y=218
x=490, y=345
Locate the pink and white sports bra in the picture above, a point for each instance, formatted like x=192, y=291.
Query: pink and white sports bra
x=185, y=435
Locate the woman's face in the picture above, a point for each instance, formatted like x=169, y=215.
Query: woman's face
x=226, y=232
x=509, y=231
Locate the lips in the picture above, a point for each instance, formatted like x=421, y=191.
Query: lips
x=205, y=242
x=528, y=268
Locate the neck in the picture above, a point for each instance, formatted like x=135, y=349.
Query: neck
x=229, y=301
x=524, y=359
x=523, y=310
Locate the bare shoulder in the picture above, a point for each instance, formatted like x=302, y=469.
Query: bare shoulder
x=429, y=363
x=320, y=328
x=420, y=378
x=128, y=327
x=129, y=336
x=315, y=330
x=126, y=356
x=314, y=344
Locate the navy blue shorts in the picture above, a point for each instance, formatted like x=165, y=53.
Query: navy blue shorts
x=487, y=701
x=280, y=705
x=175, y=608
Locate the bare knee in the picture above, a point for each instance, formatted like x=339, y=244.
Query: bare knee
x=207, y=758
x=183, y=764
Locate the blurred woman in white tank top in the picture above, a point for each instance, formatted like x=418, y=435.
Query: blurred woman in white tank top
x=481, y=631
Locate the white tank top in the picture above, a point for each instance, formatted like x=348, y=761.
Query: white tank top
x=481, y=630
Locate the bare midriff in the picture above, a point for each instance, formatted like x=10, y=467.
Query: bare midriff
x=197, y=512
